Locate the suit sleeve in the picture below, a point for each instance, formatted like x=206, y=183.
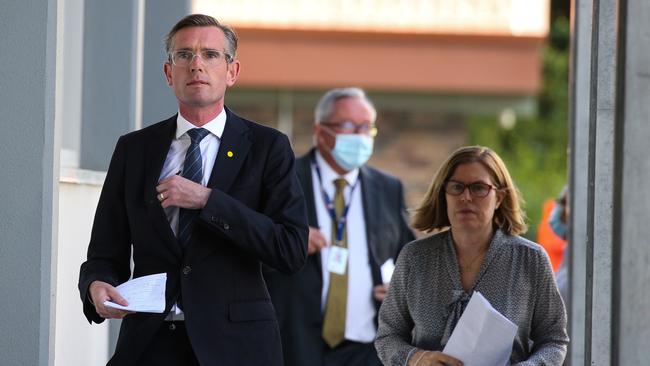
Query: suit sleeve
x=276, y=234
x=109, y=250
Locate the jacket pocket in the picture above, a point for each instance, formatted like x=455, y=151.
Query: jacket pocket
x=251, y=311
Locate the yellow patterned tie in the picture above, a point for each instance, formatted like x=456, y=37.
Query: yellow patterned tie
x=334, y=322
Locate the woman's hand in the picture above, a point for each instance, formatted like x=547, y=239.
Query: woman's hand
x=380, y=292
x=433, y=358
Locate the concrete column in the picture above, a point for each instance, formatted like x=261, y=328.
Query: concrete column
x=29, y=160
x=632, y=249
x=578, y=168
x=603, y=172
x=615, y=215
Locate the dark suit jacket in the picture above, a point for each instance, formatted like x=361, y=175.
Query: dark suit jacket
x=255, y=214
x=297, y=298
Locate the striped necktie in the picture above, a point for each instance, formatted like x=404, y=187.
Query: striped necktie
x=192, y=170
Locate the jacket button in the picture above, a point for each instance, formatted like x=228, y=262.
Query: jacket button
x=187, y=270
x=226, y=226
x=213, y=219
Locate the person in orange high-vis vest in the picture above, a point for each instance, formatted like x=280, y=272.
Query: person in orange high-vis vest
x=547, y=238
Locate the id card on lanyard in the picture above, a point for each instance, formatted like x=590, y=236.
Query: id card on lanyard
x=338, y=255
x=337, y=262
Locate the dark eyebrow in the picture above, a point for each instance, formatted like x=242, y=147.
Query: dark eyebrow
x=470, y=183
x=362, y=123
x=202, y=49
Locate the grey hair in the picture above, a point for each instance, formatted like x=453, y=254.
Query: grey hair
x=201, y=20
x=325, y=105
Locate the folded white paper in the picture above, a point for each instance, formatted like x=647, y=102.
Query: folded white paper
x=483, y=336
x=145, y=294
x=387, y=270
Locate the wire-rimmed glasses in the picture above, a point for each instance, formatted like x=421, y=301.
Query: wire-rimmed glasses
x=209, y=57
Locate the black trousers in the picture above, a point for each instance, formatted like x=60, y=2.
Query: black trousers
x=350, y=353
x=170, y=347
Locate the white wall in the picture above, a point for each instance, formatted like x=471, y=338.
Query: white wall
x=76, y=341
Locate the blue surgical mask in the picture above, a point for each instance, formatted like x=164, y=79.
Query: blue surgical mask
x=352, y=150
x=555, y=221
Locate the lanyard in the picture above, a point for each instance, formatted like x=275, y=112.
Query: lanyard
x=329, y=205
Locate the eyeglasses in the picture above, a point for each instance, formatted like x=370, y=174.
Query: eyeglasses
x=351, y=127
x=209, y=57
x=476, y=189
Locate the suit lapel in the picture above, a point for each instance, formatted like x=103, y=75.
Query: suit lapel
x=155, y=154
x=304, y=173
x=233, y=148
x=234, y=145
x=303, y=170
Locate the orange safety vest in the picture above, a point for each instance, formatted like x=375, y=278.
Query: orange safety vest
x=553, y=244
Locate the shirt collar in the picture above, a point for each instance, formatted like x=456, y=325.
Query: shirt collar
x=329, y=175
x=215, y=126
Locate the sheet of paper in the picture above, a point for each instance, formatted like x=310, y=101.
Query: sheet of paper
x=483, y=336
x=145, y=294
x=387, y=270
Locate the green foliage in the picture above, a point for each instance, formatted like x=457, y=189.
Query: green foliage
x=535, y=150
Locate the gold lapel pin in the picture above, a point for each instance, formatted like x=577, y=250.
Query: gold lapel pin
x=230, y=154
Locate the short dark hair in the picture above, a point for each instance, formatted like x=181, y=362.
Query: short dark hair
x=202, y=20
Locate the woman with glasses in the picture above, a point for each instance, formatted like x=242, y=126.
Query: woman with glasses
x=474, y=207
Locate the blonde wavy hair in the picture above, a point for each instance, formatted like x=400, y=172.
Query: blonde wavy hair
x=509, y=217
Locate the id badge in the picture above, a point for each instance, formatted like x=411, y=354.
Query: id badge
x=338, y=260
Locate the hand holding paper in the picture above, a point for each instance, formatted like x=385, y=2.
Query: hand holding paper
x=483, y=336
x=145, y=294
x=387, y=270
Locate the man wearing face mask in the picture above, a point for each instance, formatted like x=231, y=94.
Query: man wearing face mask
x=358, y=224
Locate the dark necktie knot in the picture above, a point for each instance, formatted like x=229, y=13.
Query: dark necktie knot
x=197, y=134
x=339, y=199
x=340, y=184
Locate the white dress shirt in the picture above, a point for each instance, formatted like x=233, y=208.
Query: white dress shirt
x=360, y=309
x=175, y=159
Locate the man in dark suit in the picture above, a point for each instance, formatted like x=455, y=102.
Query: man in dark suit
x=357, y=218
x=205, y=197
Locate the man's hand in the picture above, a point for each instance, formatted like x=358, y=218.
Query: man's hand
x=316, y=241
x=433, y=358
x=182, y=192
x=380, y=292
x=102, y=291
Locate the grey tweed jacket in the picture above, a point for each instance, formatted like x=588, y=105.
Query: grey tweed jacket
x=426, y=299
